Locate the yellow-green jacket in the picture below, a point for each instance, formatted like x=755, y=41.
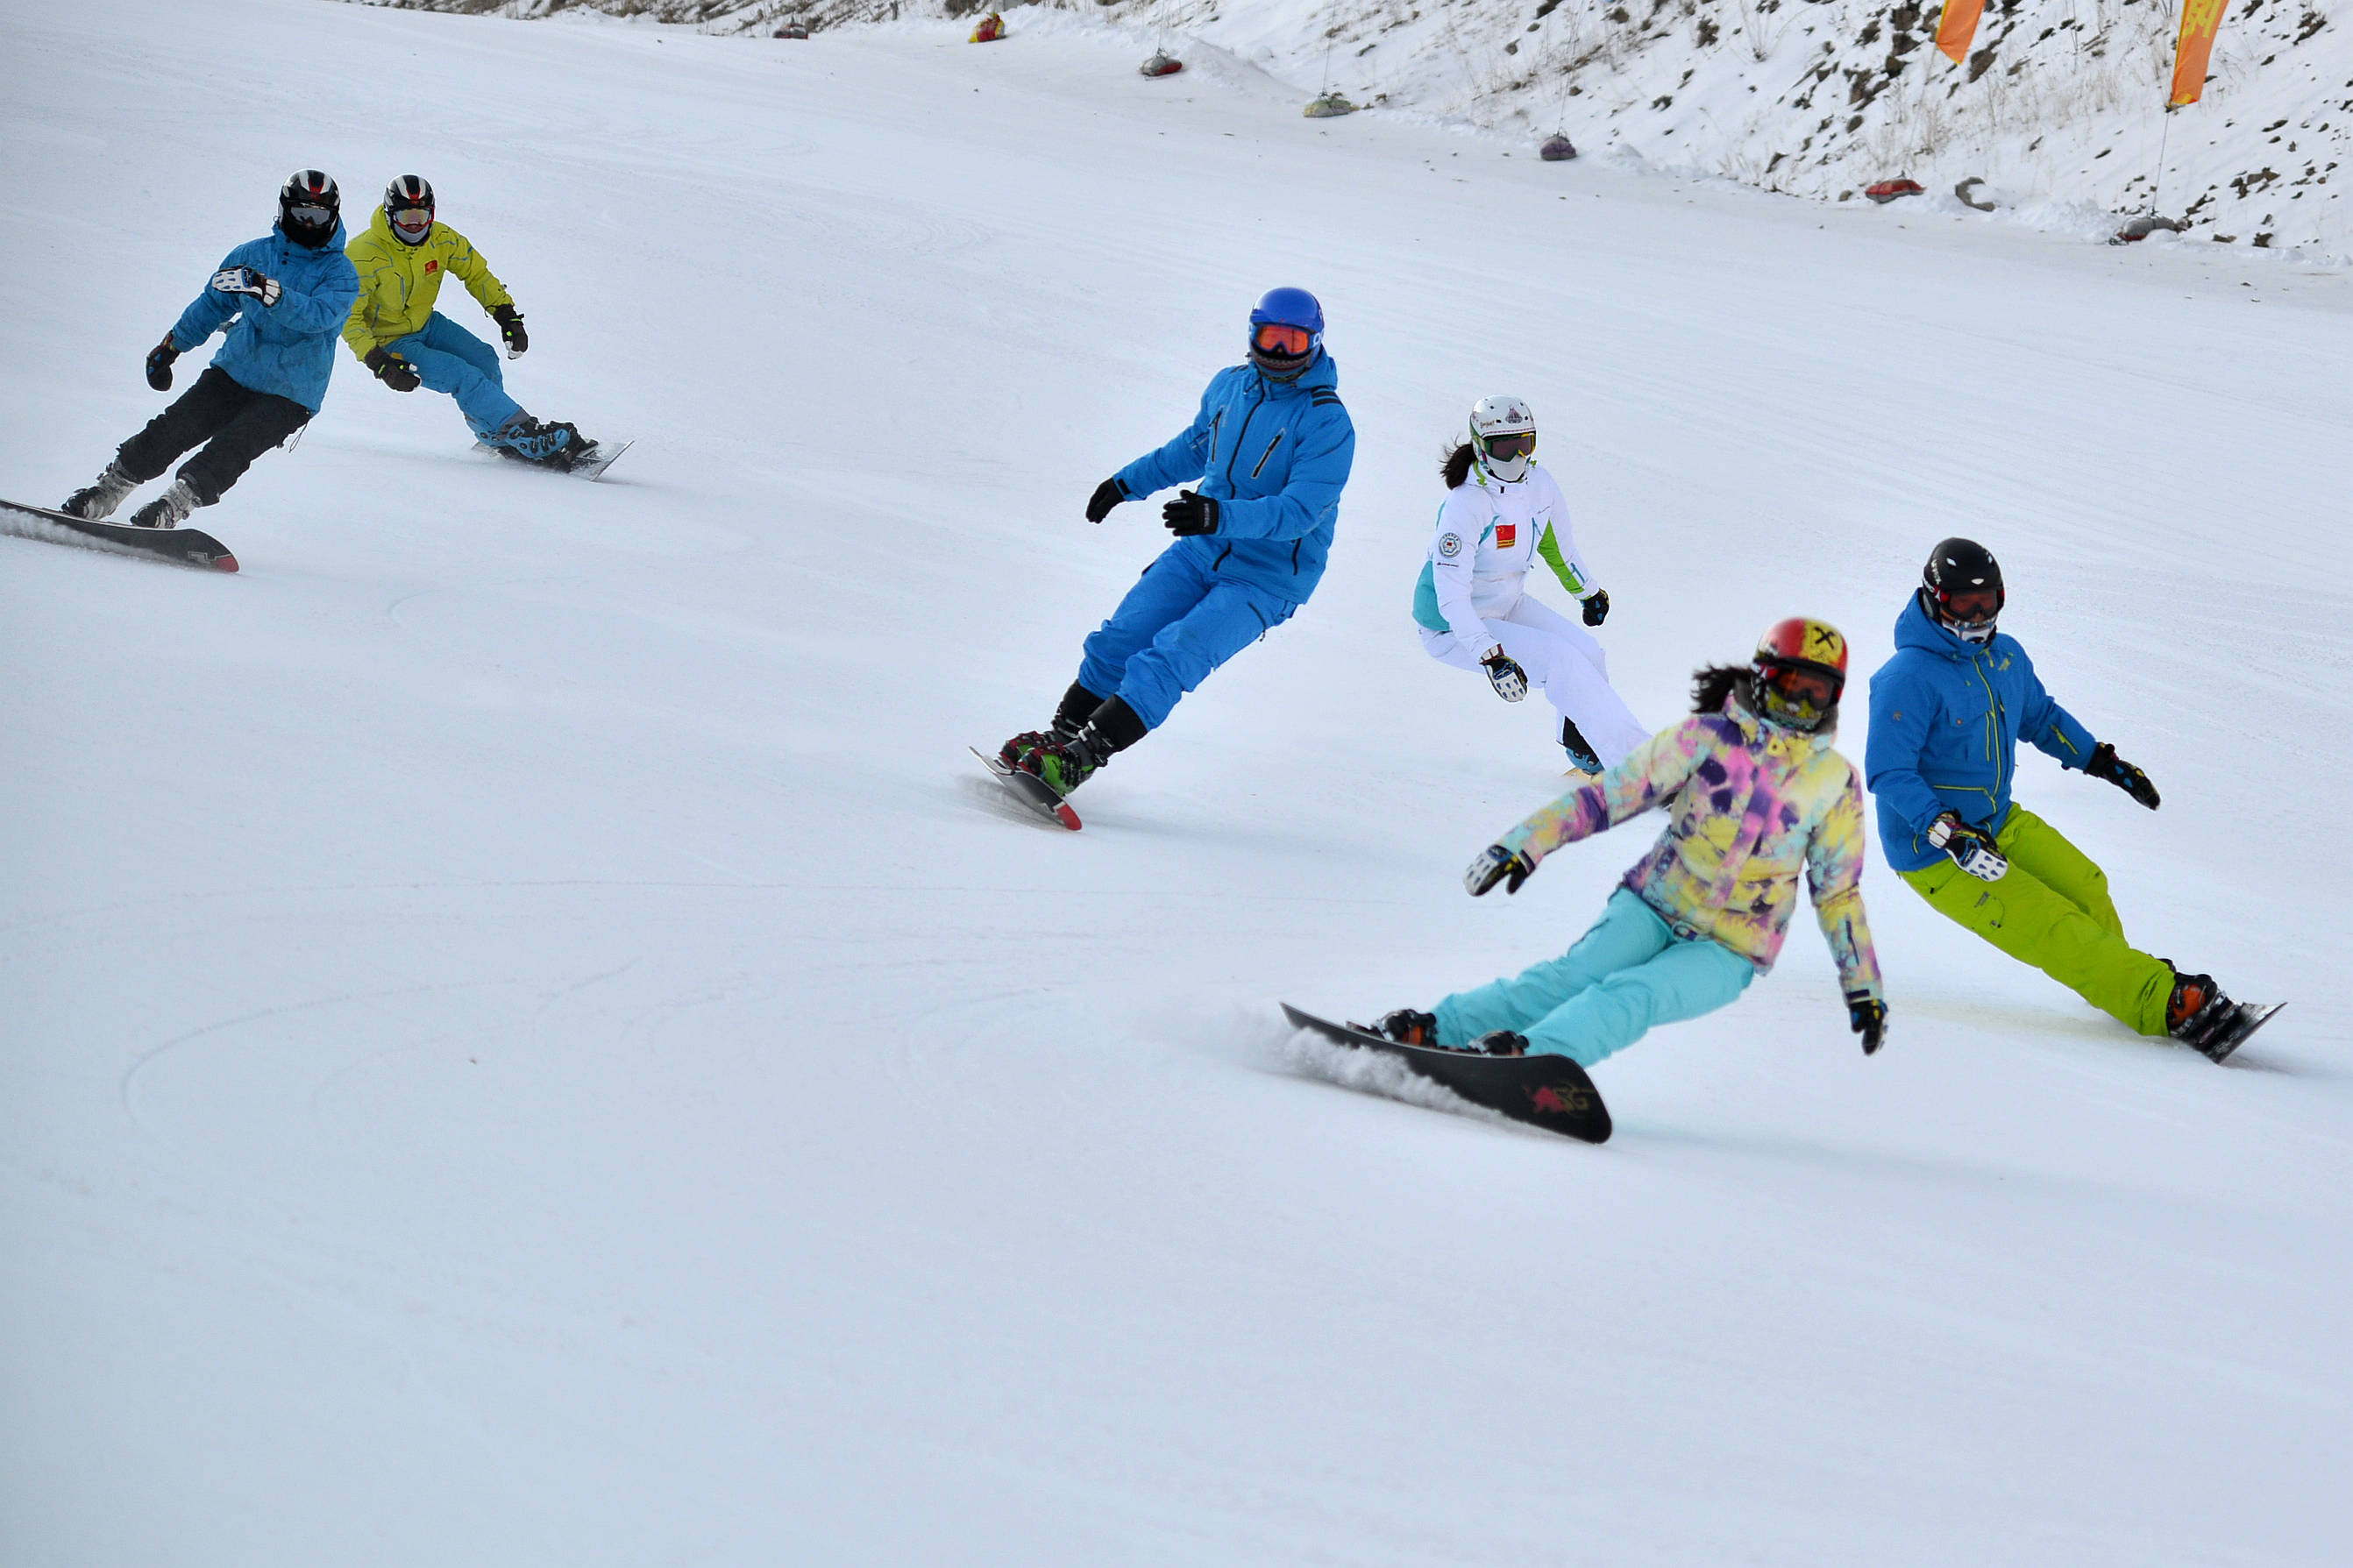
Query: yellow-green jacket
x=399, y=283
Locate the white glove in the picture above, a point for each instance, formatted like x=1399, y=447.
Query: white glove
x=1972, y=848
x=245, y=280
x=1510, y=682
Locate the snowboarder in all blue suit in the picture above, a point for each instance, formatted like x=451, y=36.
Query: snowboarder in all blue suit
x=282, y=299
x=1270, y=447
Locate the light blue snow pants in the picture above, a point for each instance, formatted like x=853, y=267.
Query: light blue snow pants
x=450, y=359
x=1629, y=971
x=1178, y=622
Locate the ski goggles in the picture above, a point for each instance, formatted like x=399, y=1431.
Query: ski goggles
x=310, y=216
x=1805, y=683
x=1275, y=338
x=1511, y=446
x=411, y=220
x=1970, y=605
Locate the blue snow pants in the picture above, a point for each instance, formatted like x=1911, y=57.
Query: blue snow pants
x=1180, y=622
x=1628, y=972
x=450, y=359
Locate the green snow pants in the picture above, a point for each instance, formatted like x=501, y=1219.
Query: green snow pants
x=2052, y=909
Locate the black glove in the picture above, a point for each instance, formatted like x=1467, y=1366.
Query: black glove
x=510, y=320
x=247, y=280
x=1496, y=864
x=1190, y=513
x=1108, y=494
x=1867, y=1016
x=159, y=365
x=2106, y=764
x=391, y=369
x=1972, y=848
x=1596, y=608
x=1503, y=673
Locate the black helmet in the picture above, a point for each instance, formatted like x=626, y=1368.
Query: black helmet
x=404, y=198
x=309, y=208
x=1961, y=587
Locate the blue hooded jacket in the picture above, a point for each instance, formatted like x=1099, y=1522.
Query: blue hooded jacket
x=1945, y=719
x=1275, y=456
x=288, y=348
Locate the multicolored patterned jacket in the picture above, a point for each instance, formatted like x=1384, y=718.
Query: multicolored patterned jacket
x=1753, y=804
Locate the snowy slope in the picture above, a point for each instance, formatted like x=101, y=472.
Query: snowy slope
x=523, y=1040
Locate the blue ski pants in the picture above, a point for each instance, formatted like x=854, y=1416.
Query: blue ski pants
x=1629, y=972
x=1180, y=622
x=450, y=359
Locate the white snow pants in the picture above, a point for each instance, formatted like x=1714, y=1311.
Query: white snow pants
x=1562, y=660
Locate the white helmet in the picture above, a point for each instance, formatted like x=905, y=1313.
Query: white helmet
x=1502, y=437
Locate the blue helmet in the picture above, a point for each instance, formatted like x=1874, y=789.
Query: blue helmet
x=1292, y=307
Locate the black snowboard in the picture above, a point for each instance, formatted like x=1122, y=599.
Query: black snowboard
x=181, y=546
x=2245, y=1019
x=1546, y=1091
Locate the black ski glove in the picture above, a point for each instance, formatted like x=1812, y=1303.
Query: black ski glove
x=2106, y=764
x=1108, y=494
x=1190, y=513
x=1867, y=1016
x=159, y=365
x=1496, y=864
x=1596, y=608
x=510, y=320
x=1972, y=848
x=391, y=369
x=247, y=280
x=1504, y=674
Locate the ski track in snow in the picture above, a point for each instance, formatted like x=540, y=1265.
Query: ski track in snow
x=526, y=1040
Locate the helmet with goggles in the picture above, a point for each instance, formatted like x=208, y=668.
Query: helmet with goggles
x=1799, y=673
x=1502, y=437
x=408, y=207
x=1286, y=329
x=1961, y=588
x=309, y=208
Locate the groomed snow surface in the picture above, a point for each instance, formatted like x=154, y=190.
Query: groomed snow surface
x=526, y=1039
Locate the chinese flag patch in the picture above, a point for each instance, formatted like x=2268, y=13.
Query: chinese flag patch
x=432, y=266
x=1507, y=534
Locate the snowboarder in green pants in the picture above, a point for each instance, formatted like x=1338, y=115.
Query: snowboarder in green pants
x=1946, y=714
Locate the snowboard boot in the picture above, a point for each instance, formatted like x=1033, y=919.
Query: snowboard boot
x=1077, y=706
x=1067, y=764
x=169, y=509
x=1580, y=751
x=1407, y=1027
x=2200, y=1014
x=96, y=503
x=550, y=445
x=1501, y=1043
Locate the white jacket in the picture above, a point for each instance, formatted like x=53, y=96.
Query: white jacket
x=1489, y=534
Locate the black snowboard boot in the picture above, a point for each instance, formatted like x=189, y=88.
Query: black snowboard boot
x=1077, y=706
x=1501, y=1043
x=169, y=509
x=1408, y=1026
x=1067, y=764
x=2200, y=1014
x=96, y=503
x=1580, y=751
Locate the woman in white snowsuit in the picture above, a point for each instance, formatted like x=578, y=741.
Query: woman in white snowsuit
x=1502, y=510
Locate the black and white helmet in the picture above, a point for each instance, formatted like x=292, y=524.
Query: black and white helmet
x=1961, y=586
x=309, y=208
x=408, y=207
x=1502, y=437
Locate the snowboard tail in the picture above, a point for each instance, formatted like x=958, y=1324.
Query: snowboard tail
x=1547, y=1091
x=1034, y=793
x=2247, y=1017
x=179, y=546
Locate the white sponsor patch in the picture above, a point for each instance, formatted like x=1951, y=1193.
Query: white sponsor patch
x=1449, y=545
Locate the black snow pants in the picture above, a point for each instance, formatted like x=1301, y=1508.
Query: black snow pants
x=232, y=422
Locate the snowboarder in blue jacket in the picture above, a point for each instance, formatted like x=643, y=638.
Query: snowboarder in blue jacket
x=282, y=299
x=1270, y=447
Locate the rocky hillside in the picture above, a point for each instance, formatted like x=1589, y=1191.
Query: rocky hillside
x=2057, y=114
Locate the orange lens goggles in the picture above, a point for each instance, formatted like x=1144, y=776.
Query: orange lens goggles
x=1274, y=338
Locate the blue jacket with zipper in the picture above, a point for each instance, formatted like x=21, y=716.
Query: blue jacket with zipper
x=1273, y=455
x=1945, y=719
x=288, y=348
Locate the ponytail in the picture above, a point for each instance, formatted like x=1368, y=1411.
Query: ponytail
x=1456, y=467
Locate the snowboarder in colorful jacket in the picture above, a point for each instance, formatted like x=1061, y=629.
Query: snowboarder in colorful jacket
x=1946, y=714
x=1757, y=796
x=1270, y=446
x=405, y=343
x=1503, y=512
x=280, y=299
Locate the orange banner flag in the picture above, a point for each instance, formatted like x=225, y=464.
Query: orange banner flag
x=2200, y=20
x=1958, y=28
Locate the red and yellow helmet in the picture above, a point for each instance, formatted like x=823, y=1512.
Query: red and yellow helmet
x=1801, y=672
